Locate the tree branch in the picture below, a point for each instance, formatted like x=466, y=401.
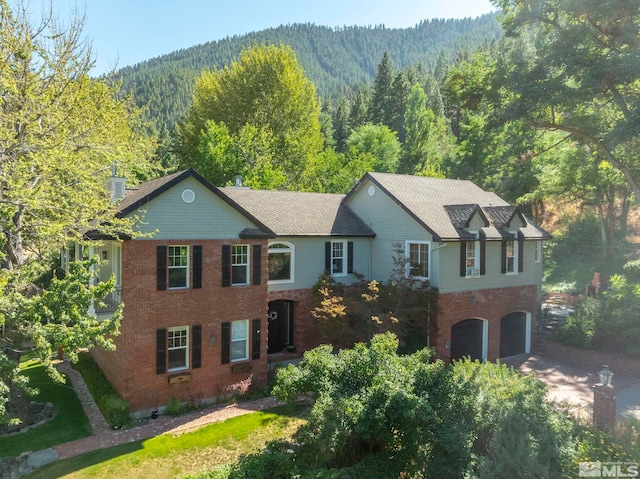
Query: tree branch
x=601, y=147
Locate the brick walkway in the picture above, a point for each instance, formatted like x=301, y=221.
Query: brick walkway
x=104, y=437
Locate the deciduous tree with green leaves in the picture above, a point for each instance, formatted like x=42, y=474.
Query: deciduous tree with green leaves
x=60, y=133
x=372, y=403
x=266, y=89
x=582, y=77
x=380, y=142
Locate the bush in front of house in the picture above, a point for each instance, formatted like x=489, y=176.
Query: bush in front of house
x=116, y=411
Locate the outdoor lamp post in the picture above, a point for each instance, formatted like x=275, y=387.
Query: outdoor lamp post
x=605, y=376
x=604, y=402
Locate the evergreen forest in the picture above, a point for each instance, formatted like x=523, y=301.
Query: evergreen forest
x=335, y=60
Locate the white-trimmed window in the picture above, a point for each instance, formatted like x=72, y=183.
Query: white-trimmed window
x=511, y=257
x=240, y=264
x=239, y=340
x=538, y=252
x=281, y=257
x=338, y=258
x=178, y=348
x=472, y=259
x=417, y=255
x=178, y=267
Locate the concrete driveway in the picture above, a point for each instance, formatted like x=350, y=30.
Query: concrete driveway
x=575, y=386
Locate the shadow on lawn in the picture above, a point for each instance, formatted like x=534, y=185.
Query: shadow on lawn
x=77, y=463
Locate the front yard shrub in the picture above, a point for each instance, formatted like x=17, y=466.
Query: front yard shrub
x=116, y=411
x=579, y=327
x=173, y=407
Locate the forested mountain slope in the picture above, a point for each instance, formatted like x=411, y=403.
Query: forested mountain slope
x=335, y=59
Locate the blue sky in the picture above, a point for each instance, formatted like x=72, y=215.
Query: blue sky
x=125, y=32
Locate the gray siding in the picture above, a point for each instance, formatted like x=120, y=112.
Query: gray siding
x=393, y=226
x=207, y=217
x=309, y=260
x=450, y=280
x=476, y=223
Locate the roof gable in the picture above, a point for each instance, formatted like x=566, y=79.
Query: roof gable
x=461, y=215
x=446, y=207
x=147, y=191
x=505, y=216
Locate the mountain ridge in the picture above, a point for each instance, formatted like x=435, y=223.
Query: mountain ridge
x=335, y=59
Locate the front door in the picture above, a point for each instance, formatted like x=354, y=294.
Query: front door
x=280, y=325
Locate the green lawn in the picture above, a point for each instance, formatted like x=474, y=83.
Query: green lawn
x=168, y=456
x=70, y=423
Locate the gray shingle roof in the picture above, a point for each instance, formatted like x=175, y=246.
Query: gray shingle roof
x=461, y=215
x=427, y=199
x=501, y=215
x=135, y=197
x=442, y=206
x=289, y=213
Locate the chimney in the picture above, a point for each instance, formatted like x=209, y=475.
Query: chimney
x=238, y=181
x=115, y=184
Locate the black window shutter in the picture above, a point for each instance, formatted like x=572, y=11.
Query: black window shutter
x=226, y=265
x=161, y=268
x=504, y=257
x=161, y=351
x=197, y=266
x=255, y=339
x=327, y=256
x=196, y=346
x=520, y=252
x=225, y=342
x=350, y=257
x=257, y=264
x=483, y=253
x=463, y=258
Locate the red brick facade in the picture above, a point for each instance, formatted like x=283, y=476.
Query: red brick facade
x=132, y=367
x=490, y=305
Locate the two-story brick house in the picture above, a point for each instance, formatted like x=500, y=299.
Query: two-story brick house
x=224, y=281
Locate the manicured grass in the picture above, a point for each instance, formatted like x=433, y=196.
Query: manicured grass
x=169, y=456
x=70, y=423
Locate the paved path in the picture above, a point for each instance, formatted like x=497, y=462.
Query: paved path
x=104, y=437
x=575, y=386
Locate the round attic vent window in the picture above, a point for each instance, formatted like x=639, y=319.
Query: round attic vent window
x=371, y=190
x=188, y=196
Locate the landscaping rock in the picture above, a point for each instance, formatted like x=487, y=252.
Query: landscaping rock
x=42, y=458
